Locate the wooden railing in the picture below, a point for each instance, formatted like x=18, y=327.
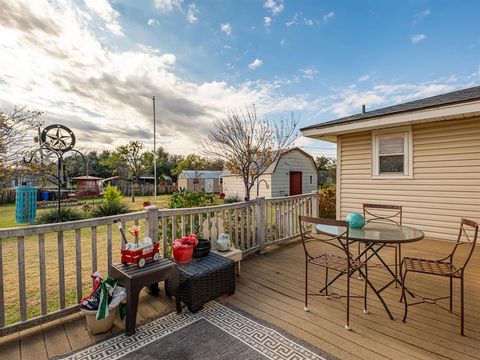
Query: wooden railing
x=44, y=269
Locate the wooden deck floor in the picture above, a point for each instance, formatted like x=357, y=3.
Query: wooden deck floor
x=271, y=288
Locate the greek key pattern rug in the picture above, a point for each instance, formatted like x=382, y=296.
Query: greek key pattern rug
x=260, y=339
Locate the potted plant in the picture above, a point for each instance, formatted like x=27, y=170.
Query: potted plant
x=183, y=248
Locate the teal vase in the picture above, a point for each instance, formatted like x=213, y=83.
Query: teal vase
x=355, y=220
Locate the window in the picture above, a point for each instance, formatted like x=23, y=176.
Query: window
x=311, y=179
x=392, y=153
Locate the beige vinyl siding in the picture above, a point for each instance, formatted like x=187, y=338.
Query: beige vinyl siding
x=445, y=184
x=293, y=161
x=233, y=186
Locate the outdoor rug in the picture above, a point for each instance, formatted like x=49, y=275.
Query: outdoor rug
x=214, y=333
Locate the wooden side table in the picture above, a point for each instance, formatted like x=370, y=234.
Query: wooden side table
x=134, y=279
x=232, y=254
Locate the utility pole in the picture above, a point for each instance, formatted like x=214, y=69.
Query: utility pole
x=154, y=154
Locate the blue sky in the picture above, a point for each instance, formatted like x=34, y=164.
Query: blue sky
x=94, y=64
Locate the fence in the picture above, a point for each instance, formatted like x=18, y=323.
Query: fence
x=59, y=258
x=7, y=196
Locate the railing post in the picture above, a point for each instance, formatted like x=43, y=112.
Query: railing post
x=261, y=210
x=152, y=222
x=315, y=204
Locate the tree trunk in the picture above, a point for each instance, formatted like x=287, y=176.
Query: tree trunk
x=247, y=192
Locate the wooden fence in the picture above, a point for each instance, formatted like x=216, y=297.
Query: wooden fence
x=44, y=269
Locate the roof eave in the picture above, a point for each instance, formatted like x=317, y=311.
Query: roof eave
x=439, y=113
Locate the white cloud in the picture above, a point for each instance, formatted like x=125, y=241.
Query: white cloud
x=274, y=7
x=104, y=10
x=308, y=22
x=192, y=13
x=294, y=20
x=308, y=73
x=267, y=21
x=328, y=16
x=417, y=38
x=282, y=42
x=418, y=17
x=167, y=6
x=255, y=64
x=152, y=22
x=226, y=28
x=364, y=77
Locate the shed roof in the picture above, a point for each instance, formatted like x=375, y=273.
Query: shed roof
x=87, y=177
x=454, y=97
x=203, y=174
x=273, y=166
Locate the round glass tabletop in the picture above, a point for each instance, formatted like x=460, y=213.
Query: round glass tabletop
x=376, y=232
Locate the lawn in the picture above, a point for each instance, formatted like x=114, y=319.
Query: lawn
x=7, y=212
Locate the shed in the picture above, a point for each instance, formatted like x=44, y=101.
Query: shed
x=208, y=181
x=87, y=186
x=293, y=173
x=423, y=155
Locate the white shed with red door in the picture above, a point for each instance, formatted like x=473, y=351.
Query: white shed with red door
x=293, y=173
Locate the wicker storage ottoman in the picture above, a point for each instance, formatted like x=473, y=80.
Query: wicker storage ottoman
x=204, y=279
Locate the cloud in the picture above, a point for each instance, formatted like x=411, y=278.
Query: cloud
x=417, y=38
x=418, y=17
x=167, y=6
x=274, y=7
x=308, y=22
x=192, y=13
x=328, y=16
x=255, y=64
x=52, y=60
x=294, y=20
x=364, y=77
x=308, y=73
x=104, y=10
x=226, y=28
x=267, y=21
x=282, y=42
x=152, y=22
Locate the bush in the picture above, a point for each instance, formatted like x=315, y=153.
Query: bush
x=188, y=199
x=232, y=199
x=53, y=216
x=112, y=204
x=327, y=202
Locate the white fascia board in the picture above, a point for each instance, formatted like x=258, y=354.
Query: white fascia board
x=435, y=114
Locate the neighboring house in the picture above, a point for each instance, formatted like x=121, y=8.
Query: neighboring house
x=200, y=180
x=423, y=155
x=293, y=173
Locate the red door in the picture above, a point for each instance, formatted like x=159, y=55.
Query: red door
x=295, y=183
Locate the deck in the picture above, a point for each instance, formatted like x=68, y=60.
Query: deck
x=271, y=288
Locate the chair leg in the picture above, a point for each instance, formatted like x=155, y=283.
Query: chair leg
x=404, y=296
x=365, y=307
x=358, y=254
x=396, y=264
x=347, y=326
x=326, y=281
x=451, y=294
x=306, y=286
x=462, y=303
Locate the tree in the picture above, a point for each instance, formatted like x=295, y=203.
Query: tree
x=327, y=167
x=197, y=163
x=249, y=145
x=15, y=130
x=97, y=166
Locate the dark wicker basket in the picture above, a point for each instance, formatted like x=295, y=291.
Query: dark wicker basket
x=203, y=280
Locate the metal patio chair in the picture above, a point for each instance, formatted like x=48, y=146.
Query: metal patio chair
x=448, y=266
x=387, y=214
x=343, y=264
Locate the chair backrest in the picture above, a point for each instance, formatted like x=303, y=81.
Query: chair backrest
x=467, y=236
x=307, y=222
x=382, y=213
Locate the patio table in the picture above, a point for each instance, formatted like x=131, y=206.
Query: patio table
x=375, y=236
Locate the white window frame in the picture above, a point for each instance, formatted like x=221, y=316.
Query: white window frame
x=406, y=133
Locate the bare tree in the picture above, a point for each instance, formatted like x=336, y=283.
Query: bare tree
x=249, y=145
x=16, y=129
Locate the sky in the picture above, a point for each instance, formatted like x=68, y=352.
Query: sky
x=94, y=65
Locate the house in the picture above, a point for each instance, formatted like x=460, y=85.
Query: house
x=294, y=172
x=423, y=155
x=200, y=180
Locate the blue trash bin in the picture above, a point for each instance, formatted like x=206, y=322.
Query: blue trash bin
x=26, y=204
x=44, y=195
